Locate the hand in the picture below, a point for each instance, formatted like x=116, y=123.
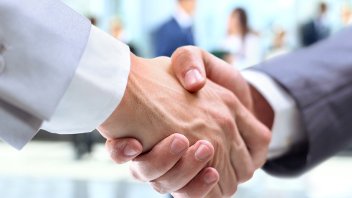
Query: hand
x=193, y=66
x=252, y=133
x=165, y=155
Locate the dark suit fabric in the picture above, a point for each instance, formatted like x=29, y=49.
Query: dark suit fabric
x=319, y=78
x=170, y=36
x=312, y=32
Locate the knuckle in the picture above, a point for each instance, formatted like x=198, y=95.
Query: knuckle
x=186, y=49
x=183, y=194
x=227, y=122
x=242, y=113
x=230, y=191
x=260, y=149
x=117, y=158
x=266, y=136
x=157, y=186
x=136, y=174
x=247, y=174
x=182, y=52
x=230, y=99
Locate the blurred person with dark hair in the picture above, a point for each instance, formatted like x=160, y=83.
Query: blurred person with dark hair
x=93, y=20
x=241, y=41
x=316, y=29
x=117, y=31
x=177, y=31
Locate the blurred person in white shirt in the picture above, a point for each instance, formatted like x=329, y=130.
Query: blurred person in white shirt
x=241, y=41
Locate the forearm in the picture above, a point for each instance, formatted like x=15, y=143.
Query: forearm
x=42, y=44
x=318, y=78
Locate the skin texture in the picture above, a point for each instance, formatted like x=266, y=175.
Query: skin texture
x=236, y=142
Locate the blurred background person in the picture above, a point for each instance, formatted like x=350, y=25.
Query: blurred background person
x=241, y=41
x=117, y=30
x=346, y=15
x=279, y=44
x=317, y=28
x=177, y=31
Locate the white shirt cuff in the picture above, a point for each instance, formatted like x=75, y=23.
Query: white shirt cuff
x=97, y=87
x=287, y=126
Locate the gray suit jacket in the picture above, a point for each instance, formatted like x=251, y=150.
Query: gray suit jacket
x=319, y=78
x=41, y=44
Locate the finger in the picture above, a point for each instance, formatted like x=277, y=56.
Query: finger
x=255, y=134
x=188, y=66
x=201, y=185
x=160, y=159
x=186, y=169
x=241, y=160
x=215, y=192
x=189, y=61
x=124, y=149
x=227, y=76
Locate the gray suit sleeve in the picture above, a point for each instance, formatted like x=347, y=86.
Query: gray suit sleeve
x=319, y=78
x=43, y=43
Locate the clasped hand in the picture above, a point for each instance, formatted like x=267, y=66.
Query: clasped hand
x=196, y=140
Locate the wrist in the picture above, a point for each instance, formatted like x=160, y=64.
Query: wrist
x=261, y=108
x=123, y=111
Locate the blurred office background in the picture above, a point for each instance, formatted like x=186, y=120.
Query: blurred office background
x=141, y=17
x=78, y=166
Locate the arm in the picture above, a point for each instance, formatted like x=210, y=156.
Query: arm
x=61, y=73
x=96, y=88
x=38, y=66
x=319, y=80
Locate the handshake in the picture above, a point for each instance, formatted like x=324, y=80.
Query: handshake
x=192, y=125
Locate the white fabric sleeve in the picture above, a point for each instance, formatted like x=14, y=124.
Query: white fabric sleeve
x=287, y=126
x=97, y=87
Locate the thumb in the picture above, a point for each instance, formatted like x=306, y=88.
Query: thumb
x=188, y=66
x=124, y=149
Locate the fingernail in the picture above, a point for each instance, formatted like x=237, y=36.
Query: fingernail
x=130, y=151
x=209, y=177
x=202, y=153
x=177, y=145
x=192, y=77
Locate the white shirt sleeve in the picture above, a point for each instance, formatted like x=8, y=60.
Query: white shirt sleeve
x=97, y=87
x=287, y=126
